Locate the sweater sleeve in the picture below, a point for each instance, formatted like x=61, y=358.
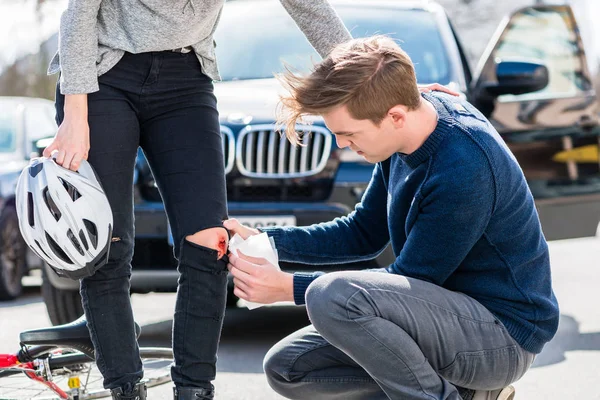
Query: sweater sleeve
x=319, y=22
x=78, y=47
x=361, y=235
x=454, y=209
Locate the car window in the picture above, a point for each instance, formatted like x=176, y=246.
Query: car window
x=39, y=120
x=256, y=46
x=548, y=36
x=8, y=135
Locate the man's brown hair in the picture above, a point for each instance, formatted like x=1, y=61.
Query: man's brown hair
x=367, y=75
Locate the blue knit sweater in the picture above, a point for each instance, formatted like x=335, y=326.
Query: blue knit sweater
x=459, y=214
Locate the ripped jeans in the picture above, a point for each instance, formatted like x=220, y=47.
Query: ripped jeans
x=163, y=103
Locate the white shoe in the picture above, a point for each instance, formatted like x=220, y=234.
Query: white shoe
x=507, y=393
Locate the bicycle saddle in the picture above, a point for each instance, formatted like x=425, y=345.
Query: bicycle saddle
x=74, y=335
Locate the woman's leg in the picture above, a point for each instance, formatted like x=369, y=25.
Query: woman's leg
x=114, y=136
x=306, y=366
x=181, y=137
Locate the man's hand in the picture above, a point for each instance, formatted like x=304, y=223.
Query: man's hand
x=234, y=226
x=257, y=280
x=438, y=87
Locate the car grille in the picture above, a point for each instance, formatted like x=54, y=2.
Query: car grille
x=228, y=148
x=261, y=152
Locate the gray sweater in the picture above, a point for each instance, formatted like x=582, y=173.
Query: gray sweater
x=94, y=34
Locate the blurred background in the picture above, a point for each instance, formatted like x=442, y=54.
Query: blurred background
x=28, y=36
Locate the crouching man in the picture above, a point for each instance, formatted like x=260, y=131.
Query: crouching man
x=468, y=301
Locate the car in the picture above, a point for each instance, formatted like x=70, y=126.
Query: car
x=532, y=83
x=24, y=121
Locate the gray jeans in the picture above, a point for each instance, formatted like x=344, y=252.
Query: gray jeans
x=383, y=336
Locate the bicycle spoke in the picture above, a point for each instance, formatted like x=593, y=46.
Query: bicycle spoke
x=21, y=387
x=16, y=386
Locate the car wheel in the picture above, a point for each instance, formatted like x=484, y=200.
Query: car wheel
x=13, y=250
x=63, y=305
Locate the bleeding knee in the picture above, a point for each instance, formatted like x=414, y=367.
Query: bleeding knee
x=213, y=238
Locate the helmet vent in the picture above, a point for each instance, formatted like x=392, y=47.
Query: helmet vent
x=30, y=214
x=57, y=250
x=73, y=193
x=83, y=240
x=34, y=170
x=73, y=240
x=40, y=248
x=92, y=232
x=51, y=205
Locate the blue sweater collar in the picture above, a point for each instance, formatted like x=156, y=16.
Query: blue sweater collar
x=431, y=144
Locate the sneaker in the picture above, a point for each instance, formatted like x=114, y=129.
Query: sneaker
x=507, y=393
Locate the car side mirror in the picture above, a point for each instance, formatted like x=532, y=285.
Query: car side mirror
x=518, y=77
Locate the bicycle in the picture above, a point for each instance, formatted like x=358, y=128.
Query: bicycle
x=58, y=363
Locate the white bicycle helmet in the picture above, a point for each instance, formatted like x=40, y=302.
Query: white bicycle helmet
x=64, y=216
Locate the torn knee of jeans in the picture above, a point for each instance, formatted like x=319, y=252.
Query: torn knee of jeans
x=115, y=239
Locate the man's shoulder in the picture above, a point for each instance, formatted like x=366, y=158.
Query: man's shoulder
x=460, y=109
x=472, y=128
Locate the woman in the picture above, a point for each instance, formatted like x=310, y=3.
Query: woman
x=139, y=73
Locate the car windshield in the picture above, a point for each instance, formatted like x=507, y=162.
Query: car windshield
x=253, y=43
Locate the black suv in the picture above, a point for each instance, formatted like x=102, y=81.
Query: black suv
x=533, y=83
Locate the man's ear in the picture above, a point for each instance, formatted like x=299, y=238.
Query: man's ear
x=397, y=115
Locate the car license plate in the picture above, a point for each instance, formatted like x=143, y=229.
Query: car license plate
x=261, y=221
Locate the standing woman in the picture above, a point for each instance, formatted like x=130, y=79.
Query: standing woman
x=139, y=73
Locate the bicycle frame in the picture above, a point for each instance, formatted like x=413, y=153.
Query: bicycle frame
x=37, y=369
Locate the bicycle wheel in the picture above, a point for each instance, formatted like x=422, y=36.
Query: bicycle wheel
x=15, y=384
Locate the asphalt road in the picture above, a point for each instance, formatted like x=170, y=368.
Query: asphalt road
x=566, y=369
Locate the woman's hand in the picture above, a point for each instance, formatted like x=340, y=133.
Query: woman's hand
x=234, y=226
x=72, y=141
x=257, y=280
x=438, y=87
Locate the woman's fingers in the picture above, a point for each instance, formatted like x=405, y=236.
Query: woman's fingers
x=50, y=149
x=76, y=161
x=60, y=156
x=68, y=161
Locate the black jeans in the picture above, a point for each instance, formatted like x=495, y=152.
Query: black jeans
x=162, y=102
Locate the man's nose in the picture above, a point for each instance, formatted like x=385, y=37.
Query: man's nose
x=341, y=142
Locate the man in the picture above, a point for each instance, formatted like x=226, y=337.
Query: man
x=468, y=301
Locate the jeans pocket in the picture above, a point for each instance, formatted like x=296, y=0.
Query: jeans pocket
x=482, y=370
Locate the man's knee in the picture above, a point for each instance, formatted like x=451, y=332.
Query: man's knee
x=215, y=238
x=326, y=298
x=275, y=370
x=337, y=297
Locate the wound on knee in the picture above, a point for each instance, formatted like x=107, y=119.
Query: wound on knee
x=212, y=238
x=221, y=248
